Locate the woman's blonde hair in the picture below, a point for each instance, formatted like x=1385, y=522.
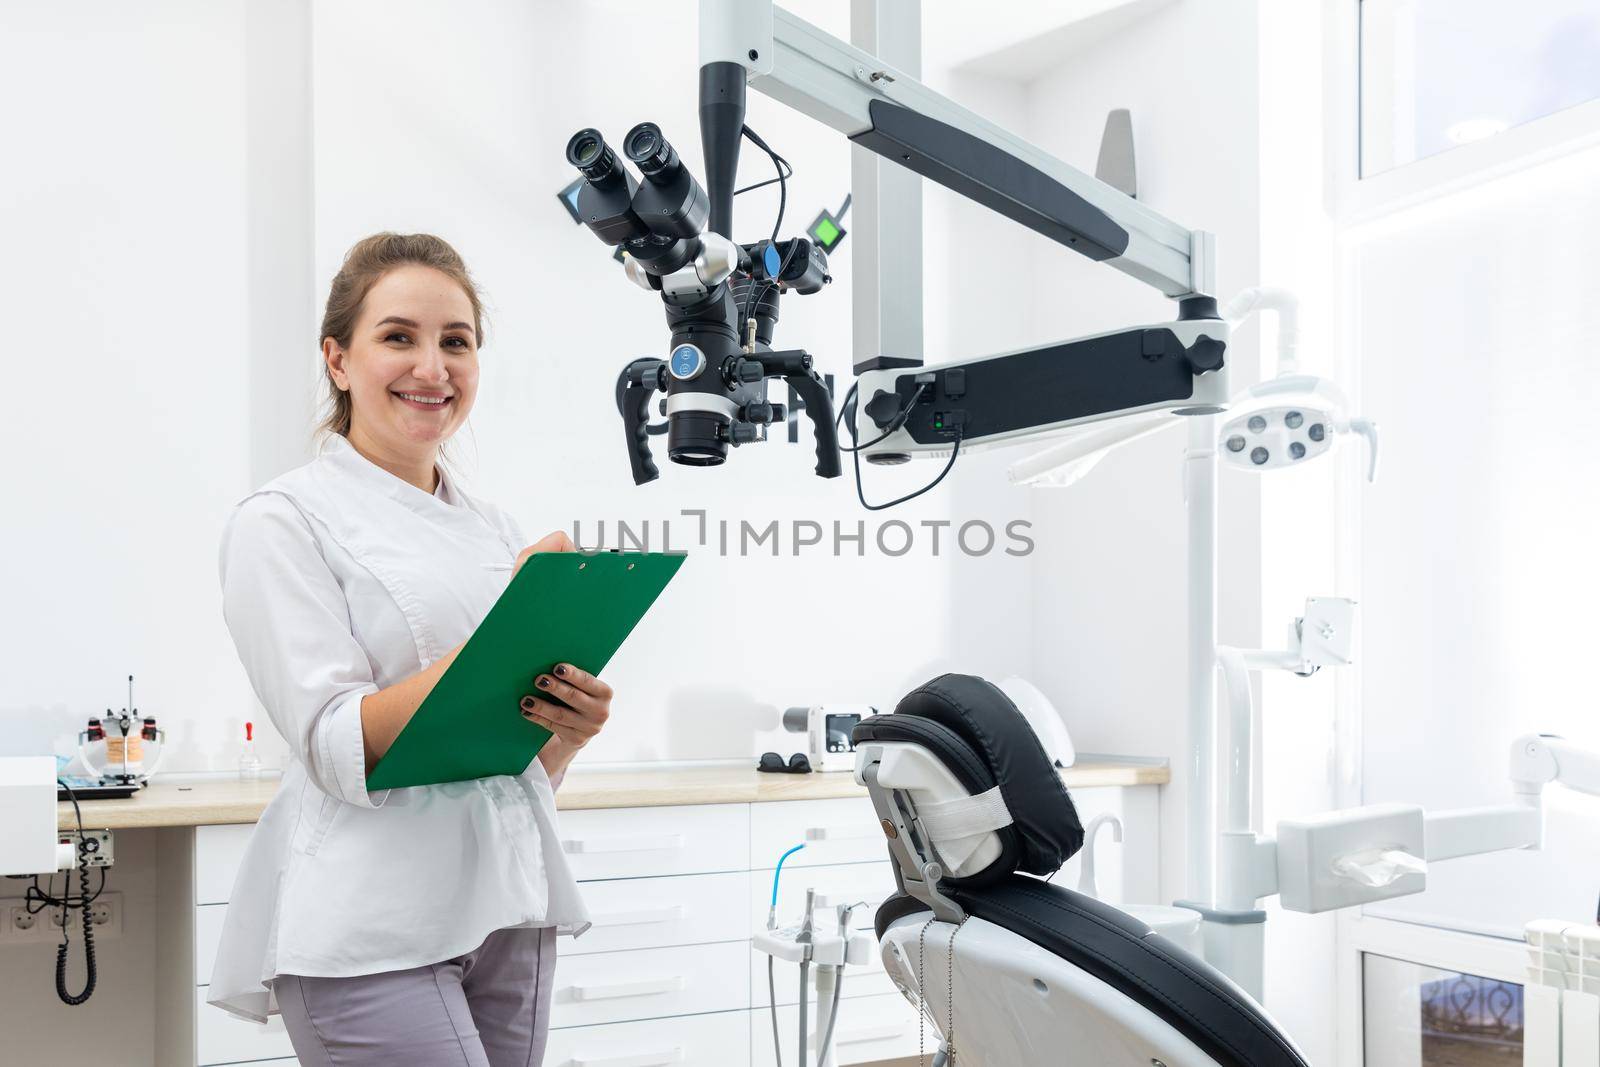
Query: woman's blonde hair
x=364, y=265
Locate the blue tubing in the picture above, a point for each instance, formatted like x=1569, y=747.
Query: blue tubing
x=779, y=871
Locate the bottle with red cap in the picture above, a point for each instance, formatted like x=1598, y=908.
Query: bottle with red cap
x=249, y=762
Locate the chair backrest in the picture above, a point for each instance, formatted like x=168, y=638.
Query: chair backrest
x=991, y=755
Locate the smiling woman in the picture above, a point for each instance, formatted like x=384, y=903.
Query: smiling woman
x=398, y=296
x=413, y=926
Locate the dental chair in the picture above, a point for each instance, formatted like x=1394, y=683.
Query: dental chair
x=1011, y=970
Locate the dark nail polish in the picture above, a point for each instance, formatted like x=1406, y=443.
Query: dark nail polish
x=544, y=683
x=527, y=702
x=560, y=669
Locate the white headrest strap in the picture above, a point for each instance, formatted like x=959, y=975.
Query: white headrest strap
x=951, y=820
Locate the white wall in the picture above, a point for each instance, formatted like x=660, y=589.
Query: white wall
x=1475, y=318
x=1108, y=623
x=138, y=242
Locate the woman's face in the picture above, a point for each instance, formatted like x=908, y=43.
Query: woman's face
x=412, y=366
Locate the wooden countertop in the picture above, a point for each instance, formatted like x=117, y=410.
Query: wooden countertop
x=209, y=802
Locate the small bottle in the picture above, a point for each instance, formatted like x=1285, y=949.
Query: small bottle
x=249, y=762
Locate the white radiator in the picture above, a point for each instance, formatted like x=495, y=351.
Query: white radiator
x=1561, y=1000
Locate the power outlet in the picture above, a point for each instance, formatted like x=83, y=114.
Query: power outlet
x=18, y=927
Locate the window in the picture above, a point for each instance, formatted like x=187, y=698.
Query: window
x=1418, y=1016
x=1440, y=73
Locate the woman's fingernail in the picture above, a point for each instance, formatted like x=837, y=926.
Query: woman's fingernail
x=544, y=683
x=561, y=669
x=527, y=702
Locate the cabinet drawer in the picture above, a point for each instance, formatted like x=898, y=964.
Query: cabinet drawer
x=610, y=987
x=721, y=1039
x=869, y=1029
x=223, y=1038
x=833, y=831
x=633, y=913
x=218, y=851
x=207, y=936
x=641, y=842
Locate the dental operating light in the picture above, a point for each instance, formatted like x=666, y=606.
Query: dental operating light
x=1289, y=420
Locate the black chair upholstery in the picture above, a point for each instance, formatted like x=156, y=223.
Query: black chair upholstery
x=979, y=734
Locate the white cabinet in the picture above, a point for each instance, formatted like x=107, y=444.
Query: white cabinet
x=690, y=1041
x=608, y=987
x=666, y=975
x=869, y=1029
x=833, y=831
x=645, y=842
x=224, y=1038
x=218, y=851
x=634, y=913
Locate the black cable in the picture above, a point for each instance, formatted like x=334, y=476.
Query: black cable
x=898, y=421
x=954, y=451
x=783, y=168
x=855, y=452
x=769, y=181
x=66, y=904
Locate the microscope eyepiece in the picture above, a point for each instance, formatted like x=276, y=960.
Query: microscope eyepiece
x=650, y=151
x=589, y=152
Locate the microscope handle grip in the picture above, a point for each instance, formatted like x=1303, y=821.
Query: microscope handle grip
x=635, y=387
x=810, y=389
x=636, y=419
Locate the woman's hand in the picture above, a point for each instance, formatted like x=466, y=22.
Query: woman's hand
x=588, y=701
x=556, y=541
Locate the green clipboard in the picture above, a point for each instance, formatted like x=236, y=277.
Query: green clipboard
x=561, y=607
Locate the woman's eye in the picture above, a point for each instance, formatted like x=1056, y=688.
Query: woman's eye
x=399, y=337
x=458, y=342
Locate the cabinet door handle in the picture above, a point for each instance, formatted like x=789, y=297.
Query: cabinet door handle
x=586, y=846
x=637, y=918
x=616, y=990
x=841, y=833
x=631, y=1059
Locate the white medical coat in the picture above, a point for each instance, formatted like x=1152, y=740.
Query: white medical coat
x=340, y=579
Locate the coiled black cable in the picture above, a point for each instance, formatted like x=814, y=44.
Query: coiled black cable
x=89, y=976
x=38, y=900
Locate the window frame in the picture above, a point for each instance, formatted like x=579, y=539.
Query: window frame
x=1356, y=199
x=1357, y=206
x=1495, y=958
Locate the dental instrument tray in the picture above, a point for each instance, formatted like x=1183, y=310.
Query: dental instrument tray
x=561, y=607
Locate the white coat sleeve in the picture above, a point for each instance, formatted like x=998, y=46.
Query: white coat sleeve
x=291, y=626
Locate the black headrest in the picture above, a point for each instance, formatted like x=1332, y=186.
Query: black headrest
x=985, y=741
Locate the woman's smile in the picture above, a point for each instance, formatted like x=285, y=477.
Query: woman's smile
x=424, y=401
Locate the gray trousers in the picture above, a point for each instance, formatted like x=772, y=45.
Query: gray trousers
x=489, y=1008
